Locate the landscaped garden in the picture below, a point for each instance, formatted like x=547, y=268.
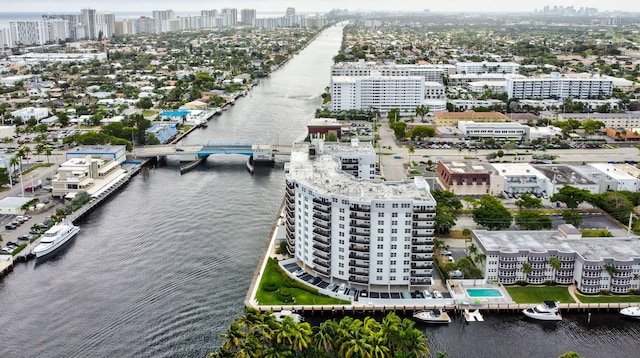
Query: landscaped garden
x=608, y=298
x=277, y=289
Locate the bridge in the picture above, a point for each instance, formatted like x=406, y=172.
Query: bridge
x=229, y=148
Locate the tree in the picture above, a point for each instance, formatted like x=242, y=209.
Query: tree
x=422, y=132
x=490, y=212
x=411, y=149
x=555, y=263
x=572, y=217
x=145, y=103
x=571, y=196
x=393, y=115
x=530, y=220
x=570, y=355
x=526, y=269
x=422, y=111
x=528, y=201
x=399, y=129
x=63, y=119
x=611, y=271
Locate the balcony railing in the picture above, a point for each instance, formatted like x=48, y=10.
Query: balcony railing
x=422, y=241
x=360, y=223
x=359, y=263
x=322, y=270
x=359, y=216
x=422, y=265
x=358, y=272
x=360, y=208
x=322, y=224
x=359, y=248
x=359, y=255
x=325, y=248
x=358, y=279
x=359, y=240
x=323, y=263
x=321, y=239
x=422, y=257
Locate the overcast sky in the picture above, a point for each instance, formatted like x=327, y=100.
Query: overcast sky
x=309, y=5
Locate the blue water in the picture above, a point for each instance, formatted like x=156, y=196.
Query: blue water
x=483, y=292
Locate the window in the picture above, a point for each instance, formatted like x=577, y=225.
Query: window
x=380, y=222
x=379, y=262
x=379, y=270
x=380, y=247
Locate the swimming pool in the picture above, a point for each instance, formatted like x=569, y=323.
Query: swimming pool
x=483, y=292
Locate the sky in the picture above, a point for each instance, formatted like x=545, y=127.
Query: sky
x=308, y=6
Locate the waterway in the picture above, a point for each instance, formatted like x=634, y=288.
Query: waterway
x=162, y=268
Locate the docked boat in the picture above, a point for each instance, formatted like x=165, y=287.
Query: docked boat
x=280, y=316
x=546, y=311
x=473, y=316
x=631, y=312
x=54, y=238
x=432, y=316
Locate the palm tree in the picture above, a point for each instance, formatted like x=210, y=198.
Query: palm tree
x=611, y=270
x=47, y=152
x=526, y=269
x=411, y=149
x=480, y=258
x=555, y=263
x=473, y=249
x=324, y=336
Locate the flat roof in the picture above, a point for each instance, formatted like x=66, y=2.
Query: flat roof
x=612, y=171
x=565, y=174
x=323, y=174
x=14, y=201
x=593, y=248
x=460, y=167
x=517, y=169
x=471, y=115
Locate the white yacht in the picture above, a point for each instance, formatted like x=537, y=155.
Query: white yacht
x=280, y=316
x=432, y=316
x=631, y=312
x=546, y=311
x=55, y=237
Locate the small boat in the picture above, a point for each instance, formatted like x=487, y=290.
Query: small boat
x=474, y=316
x=54, y=238
x=546, y=311
x=631, y=312
x=280, y=316
x=432, y=316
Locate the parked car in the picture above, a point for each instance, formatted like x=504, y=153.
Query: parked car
x=436, y=294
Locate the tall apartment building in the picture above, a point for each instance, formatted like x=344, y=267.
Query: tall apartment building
x=430, y=73
x=88, y=19
x=73, y=23
x=377, y=92
x=247, y=16
x=105, y=25
x=490, y=67
x=163, y=20
x=559, y=87
x=145, y=25
x=231, y=14
x=5, y=38
x=38, y=32
x=369, y=234
x=209, y=18
x=125, y=27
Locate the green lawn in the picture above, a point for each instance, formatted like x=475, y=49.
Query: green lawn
x=303, y=297
x=148, y=112
x=607, y=299
x=539, y=294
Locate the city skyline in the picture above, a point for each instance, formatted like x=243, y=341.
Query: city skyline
x=312, y=5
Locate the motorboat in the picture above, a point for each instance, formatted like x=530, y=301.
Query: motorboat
x=546, y=311
x=54, y=238
x=432, y=316
x=473, y=316
x=631, y=312
x=280, y=316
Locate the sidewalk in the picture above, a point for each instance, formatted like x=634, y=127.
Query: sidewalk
x=572, y=292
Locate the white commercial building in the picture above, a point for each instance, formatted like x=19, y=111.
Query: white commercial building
x=483, y=86
x=497, y=130
x=487, y=67
x=430, y=73
x=91, y=175
x=521, y=178
x=366, y=233
x=380, y=92
x=434, y=90
x=615, y=179
x=557, y=86
x=30, y=112
x=612, y=120
x=593, y=264
x=470, y=104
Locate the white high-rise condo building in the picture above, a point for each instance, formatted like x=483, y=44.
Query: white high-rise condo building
x=353, y=229
x=88, y=19
x=487, y=67
x=430, y=73
x=231, y=14
x=377, y=92
x=559, y=87
x=247, y=16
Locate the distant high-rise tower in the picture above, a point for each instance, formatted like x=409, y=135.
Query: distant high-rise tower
x=232, y=14
x=291, y=11
x=247, y=16
x=88, y=20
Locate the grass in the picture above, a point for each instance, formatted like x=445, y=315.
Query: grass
x=302, y=296
x=608, y=298
x=148, y=112
x=596, y=233
x=529, y=294
x=39, y=165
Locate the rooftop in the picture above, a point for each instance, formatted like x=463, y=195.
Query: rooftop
x=467, y=167
x=471, y=115
x=620, y=248
x=612, y=171
x=517, y=169
x=564, y=174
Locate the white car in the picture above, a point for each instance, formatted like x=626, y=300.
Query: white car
x=437, y=294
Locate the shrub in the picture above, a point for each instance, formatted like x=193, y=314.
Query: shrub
x=521, y=283
x=549, y=283
x=270, y=287
x=285, y=296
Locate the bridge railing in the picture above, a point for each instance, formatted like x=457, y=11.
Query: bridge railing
x=228, y=145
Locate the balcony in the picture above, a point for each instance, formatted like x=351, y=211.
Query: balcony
x=422, y=265
x=360, y=208
x=322, y=240
x=359, y=263
x=322, y=224
x=423, y=226
x=420, y=281
x=359, y=271
x=508, y=259
x=323, y=255
x=567, y=266
x=322, y=217
x=321, y=232
x=507, y=273
x=322, y=208
x=360, y=232
x=359, y=279
x=421, y=250
x=425, y=210
x=360, y=223
x=323, y=263
x=538, y=259
x=422, y=257
x=359, y=255
x=322, y=247
x=424, y=217
x=422, y=241
x=422, y=233
x=592, y=268
x=358, y=240
x=359, y=248
x=322, y=270
x=290, y=220
x=510, y=267
x=359, y=216
x=421, y=273
x=564, y=274
x=536, y=274
x=290, y=231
